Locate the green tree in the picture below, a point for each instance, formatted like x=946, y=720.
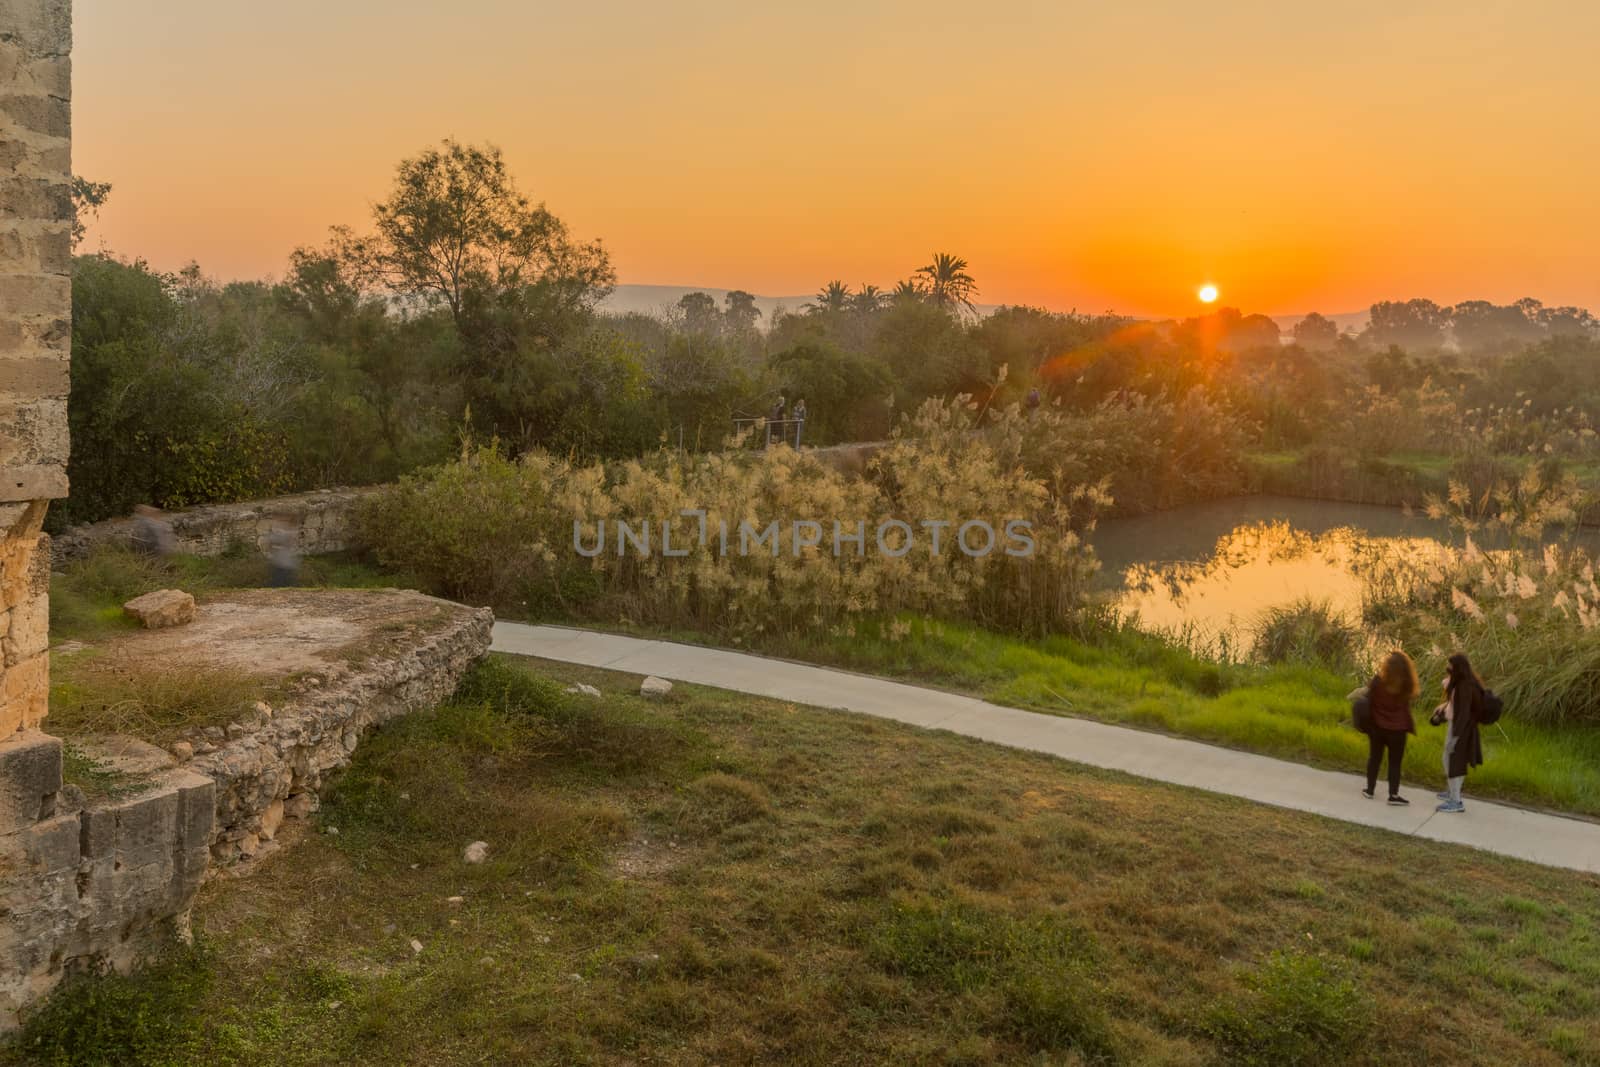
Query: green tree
x=740, y=312
x=947, y=283
x=868, y=299
x=455, y=228
x=1316, y=333
x=832, y=299
x=87, y=199
x=1416, y=325
x=847, y=394
x=700, y=314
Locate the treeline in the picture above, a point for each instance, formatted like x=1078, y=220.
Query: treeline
x=465, y=312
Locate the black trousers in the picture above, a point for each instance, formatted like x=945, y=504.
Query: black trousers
x=1377, y=741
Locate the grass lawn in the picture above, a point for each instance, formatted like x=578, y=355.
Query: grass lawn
x=722, y=879
x=1295, y=712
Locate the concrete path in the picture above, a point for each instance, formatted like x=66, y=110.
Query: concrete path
x=1547, y=839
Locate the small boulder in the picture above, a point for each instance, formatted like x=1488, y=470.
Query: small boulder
x=476, y=852
x=182, y=751
x=162, y=608
x=654, y=687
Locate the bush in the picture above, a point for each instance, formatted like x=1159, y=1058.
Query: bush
x=508, y=533
x=1297, y=1009
x=1527, y=616
x=1307, y=631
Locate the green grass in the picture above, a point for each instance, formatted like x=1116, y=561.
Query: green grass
x=719, y=879
x=1294, y=711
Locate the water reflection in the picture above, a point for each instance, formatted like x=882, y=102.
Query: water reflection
x=1207, y=573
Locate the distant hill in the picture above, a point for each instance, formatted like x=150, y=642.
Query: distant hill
x=1347, y=321
x=655, y=299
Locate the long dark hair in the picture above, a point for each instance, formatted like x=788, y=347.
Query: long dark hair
x=1460, y=670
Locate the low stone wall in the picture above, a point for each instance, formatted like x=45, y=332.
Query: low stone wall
x=81, y=885
x=108, y=881
x=324, y=519
x=271, y=767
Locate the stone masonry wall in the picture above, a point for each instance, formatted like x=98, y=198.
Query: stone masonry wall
x=38, y=829
x=35, y=323
x=324, y=519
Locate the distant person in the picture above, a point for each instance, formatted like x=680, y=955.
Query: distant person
x=775, y=418
x=1389, y=697
x=799, y=417
x=152, y=533
x=283, y=552
x=1034, y=399
x=1463, y=749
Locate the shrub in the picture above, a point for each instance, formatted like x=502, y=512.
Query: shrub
x=1297, y=1009
x=491, y=530
x=1527, y=616
x=1307, y=631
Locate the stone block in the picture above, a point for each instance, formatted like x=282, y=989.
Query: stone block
x=24, y=695
x=41, y=27
x=35, y=294
x=162, y=608
x=48, y=115
x=30, y=778
x=30, y=378
x=27, y=632
x=35, y=198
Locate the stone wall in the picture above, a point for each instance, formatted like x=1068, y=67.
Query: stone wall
x=324, y=519
x=40, y=840
x=35, y=324
x=272, y=765
x=108, y=880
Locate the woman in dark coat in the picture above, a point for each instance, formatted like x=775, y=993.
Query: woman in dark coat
x=1389, y=696
x=1462, y=747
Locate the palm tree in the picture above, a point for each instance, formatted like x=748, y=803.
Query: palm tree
x=868, y=298
x=906, y=292
x=835, y=297
x=948, y=284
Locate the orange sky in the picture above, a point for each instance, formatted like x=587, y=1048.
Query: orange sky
x=1301, y=156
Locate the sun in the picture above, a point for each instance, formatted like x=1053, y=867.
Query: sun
x=1208, y=293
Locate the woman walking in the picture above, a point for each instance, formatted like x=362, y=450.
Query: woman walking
x=1462, y=707
x=1389, y=696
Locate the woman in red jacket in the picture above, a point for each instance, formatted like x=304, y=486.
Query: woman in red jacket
x=1390, y=694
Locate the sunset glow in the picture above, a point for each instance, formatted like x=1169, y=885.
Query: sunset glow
x=760, y=147
x=1207, y=294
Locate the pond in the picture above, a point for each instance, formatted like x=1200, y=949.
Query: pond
x=1207, y=572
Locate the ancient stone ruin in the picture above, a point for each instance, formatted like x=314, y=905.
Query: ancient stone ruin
x=105, y=879
x=323, y=522
x=35, y=323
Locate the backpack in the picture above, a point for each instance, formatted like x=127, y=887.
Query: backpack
x=1361, y=710
x=1490, y=710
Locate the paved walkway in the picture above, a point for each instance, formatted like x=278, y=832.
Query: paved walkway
x=1548, y=839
